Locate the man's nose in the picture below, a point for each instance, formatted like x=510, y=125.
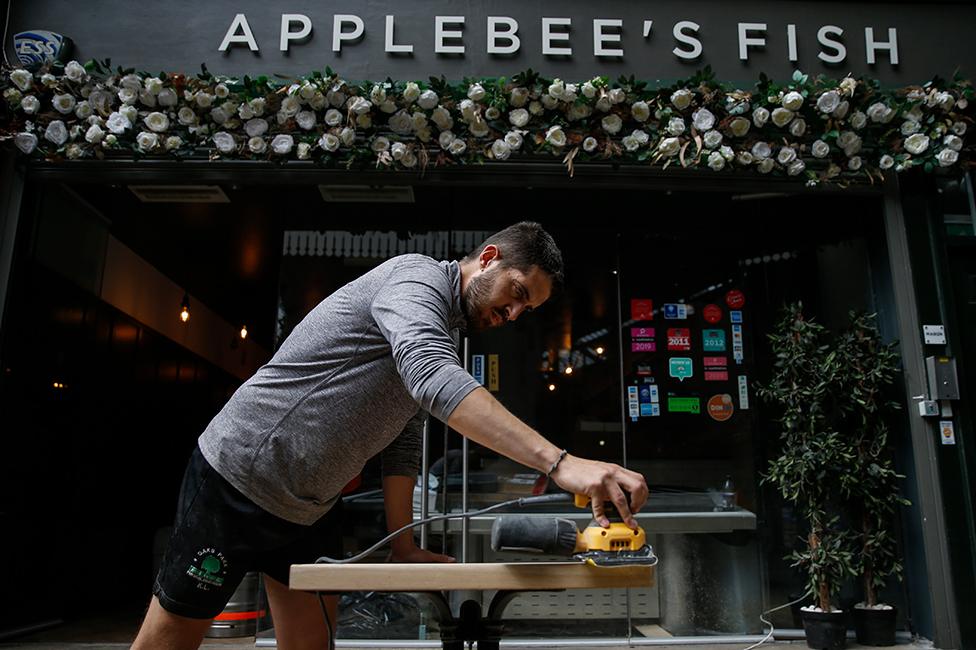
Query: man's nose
x=515, y=311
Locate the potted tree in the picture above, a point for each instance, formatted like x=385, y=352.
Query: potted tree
x=871, y=368
x=811, y=471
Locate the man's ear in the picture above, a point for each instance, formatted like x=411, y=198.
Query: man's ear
x=489, y=254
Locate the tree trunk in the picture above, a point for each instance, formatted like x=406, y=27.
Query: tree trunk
x=870, y=597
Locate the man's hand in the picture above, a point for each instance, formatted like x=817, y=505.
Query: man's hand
x=413, y=554
x=603, y=482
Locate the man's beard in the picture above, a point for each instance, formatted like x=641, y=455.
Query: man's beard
x=474, y=299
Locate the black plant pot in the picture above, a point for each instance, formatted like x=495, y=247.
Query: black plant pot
x=875, y=626
x=825, y=631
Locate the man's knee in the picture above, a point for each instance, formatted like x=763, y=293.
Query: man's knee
x=162, y=629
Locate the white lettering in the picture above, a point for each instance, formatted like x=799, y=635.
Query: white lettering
x=872, y=46
x=338, y=35
x=600, y=39
x=837, y=46
x=745, y=41
x=231, y=37
x=287, y=35
x=680, y=36
x=390, y=47
x=511, y=35
x=440, y=34
x=548, y=36
x=791, y=40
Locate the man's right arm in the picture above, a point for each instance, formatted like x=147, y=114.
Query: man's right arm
x=483, y=419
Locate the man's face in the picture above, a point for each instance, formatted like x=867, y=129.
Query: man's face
x=498, y=294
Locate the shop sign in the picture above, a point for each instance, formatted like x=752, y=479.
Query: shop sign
x=493, y=381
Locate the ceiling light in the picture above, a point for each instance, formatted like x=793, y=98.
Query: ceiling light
x=185, y=308
x=244, y=331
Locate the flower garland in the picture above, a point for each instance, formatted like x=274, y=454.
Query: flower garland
x=818, y=129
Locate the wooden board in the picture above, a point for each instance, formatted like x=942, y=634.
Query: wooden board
x=526, y=576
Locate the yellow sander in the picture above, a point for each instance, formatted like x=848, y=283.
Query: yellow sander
x=615, y=545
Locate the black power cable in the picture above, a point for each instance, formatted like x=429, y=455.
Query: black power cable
x=328, y=622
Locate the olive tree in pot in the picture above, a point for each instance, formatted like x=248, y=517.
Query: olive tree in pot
x=872, y=367
x=812, y=469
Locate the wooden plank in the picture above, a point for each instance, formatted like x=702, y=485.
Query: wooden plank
x=526, y=576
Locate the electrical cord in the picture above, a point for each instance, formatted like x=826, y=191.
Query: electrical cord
x=523, y=501
x=762, y=617
x=328, y=622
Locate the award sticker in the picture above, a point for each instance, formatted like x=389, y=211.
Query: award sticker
x=948, y=432
x=642, y=339
x=641, y=309
x=712, y=314
x=679, y=339
x=735, y=316
x=680, y=368
x=713, y=340
x=684, y=405
x=735, y=299
x=675, y=311
x=720, y=407
x=743, y=393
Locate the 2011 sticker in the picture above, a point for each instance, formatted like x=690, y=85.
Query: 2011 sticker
x=679, y=338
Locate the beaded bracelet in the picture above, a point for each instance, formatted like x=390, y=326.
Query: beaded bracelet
x=552, y=469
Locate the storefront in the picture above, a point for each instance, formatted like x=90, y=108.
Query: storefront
x=689, y=214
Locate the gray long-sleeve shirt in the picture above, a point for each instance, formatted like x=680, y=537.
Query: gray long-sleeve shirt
x=351, y=380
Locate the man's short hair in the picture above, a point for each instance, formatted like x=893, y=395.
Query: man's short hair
x=523, y=246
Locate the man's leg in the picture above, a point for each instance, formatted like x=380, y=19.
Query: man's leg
x=298, y=620
x=162, y=630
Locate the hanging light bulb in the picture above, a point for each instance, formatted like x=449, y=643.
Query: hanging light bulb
x=569, y=370
x=599, y=349
x=243, y=331
x=185, y=308
x=552, y=387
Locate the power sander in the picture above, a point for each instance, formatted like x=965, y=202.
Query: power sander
x=615, y=545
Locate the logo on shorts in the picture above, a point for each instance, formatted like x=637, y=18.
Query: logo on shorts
x=208, y=568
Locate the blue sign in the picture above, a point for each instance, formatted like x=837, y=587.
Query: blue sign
x=675, y=311
x=735, y=316
x=478, y=368
x=38, y=46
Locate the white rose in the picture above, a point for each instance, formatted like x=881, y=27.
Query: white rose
x=877, y=111
x=514, y=140
x=12, y=96
x=640, y=111
x=828, y=102
x=173, y=142
x=109, y=140
x=760, y=116
x=147, y=99
x=476, y=92
x=132, y=81
x=333, y=117
x=859, y=120
x=401, y=124
x=962, y=103
x=419, y=121
x=153, y=85
x=535, y=108
x=847, y=85
x=186, y=116
x=744, y=158
x=947, y=157
x=258, y=104
x=256, y=127
x=282, y=144
x=914, y=113
x=30, y=104
x=359, y=105
x=224, y=142
x=304, y=151
x=945, y=101
x=588, y=90
x=549, y=102
x=428, y=100
x=703, y=119
x=378, y=94
x=442, y=118
x=819, y=149
x=590, y=143
x=306, y=120
x=409, y=159
x=676, y=126
x=317, y=102
x=611, y=124
x=131, y=113
x=26, y=142
x=244, y=111
x=22, y=79
x=519, y=117
x=603, y=104
x=291, y=105
x=841, y=111
x=641, y=136
x=329, y=142
x=49, y=80
x=411, y=92
x=500, y=150
x=681, y=99
x=364, y=121
x=761, y=150
x=117, y=123
x=854, y=163
x=782, y=116
x=398, y=150
x=726, y=152
x=739, y=126
x=765, y=165
x=336, y=98
x=716, y=161
x=94, y=134
x=630, y=143
x=786, y=155
x=389, y=107
x=833, y=170
x=74, y=151
x=712, y=139
x=792, y=101
x=147, y=141
x=909, y=127
x=479, y=128
x=492, y=113
x=445, y=139
x=556, y=88
x=954, y=142
x=74, y=132
x=556, y=136
x=204, y=100
x=128, y=96
x=617, y=95
x=669, y=146
x=457, y=147
x=75, y=72
x=157, y=122
x=886, y=162
x=917, y=143
x=257, y=144
x=519, y=96
x=796, y=168
x=348, y=136
x=798, y=127
x=83, y=110
x=468, y=109
x=424, y=134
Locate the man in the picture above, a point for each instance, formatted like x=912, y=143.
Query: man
x=354, y=379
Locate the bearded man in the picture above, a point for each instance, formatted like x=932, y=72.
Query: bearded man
x=354, y=379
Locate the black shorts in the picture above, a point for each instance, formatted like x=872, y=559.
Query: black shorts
x=219, y=535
